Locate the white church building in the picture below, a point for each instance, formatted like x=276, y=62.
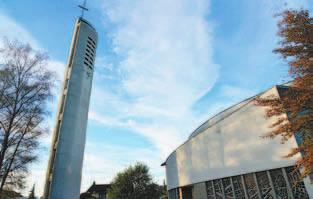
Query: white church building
x=227, y=158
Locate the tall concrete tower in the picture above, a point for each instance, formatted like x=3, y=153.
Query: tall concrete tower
x=63, y=177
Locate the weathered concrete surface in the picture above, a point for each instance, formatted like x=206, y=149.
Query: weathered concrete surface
x=227, y=145
x=65, y=165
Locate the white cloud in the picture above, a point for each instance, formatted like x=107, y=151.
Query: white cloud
x=168, y=66
x=236, y=92
x=102, y=162
x=13, y=30
x=58, y=67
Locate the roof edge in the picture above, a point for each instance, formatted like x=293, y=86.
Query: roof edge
x=250, y=98
x=87, y=22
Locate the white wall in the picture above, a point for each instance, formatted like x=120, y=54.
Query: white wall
x=232, y=146
x=309, y=186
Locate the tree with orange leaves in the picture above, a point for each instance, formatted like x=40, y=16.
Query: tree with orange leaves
x=294, y=107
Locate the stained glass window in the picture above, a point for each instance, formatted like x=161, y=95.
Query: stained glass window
x=280, y=184
x=210, y=190
x=264, y=185
x=271, y=184
x=228, y=188
x=298, y=187
x=218, y=188
x=251, y=186
x=238, y=187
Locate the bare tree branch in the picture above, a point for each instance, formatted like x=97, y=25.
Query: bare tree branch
x=25, y=87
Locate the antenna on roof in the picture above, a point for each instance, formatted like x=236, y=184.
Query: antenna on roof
x=84, y=8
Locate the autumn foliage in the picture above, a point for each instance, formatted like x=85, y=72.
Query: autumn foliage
x=294, y=107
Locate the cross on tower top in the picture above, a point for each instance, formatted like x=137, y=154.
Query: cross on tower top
x=83, y=7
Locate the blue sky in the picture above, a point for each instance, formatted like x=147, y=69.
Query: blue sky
x=163, y=67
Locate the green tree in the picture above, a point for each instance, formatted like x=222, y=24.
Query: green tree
x=134, y=182
x=164, y=191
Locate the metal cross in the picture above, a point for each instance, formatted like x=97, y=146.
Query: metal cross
x=84, y=8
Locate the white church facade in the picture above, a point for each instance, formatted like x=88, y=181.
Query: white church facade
x=227, y=158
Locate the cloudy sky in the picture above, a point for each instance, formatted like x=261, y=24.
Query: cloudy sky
x=163, y=67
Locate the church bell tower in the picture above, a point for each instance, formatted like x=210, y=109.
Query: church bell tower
x=63, y=177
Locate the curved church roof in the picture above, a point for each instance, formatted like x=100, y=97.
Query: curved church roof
x=226, y=113
x=231, y=110
x=220, y=116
